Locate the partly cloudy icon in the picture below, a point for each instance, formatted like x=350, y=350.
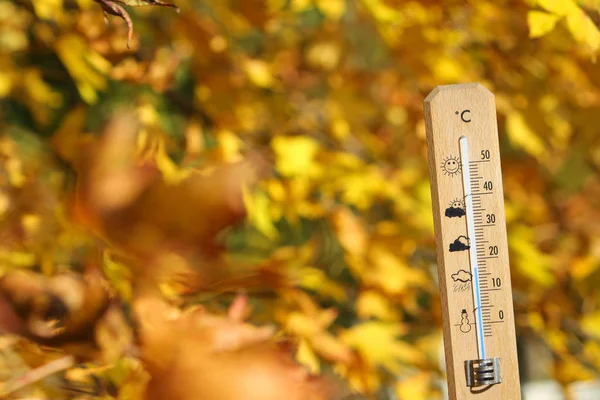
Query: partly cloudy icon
x=462, y=276
x=460, y=244
x=456, y=209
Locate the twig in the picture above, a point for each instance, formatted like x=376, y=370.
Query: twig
x=36, y=375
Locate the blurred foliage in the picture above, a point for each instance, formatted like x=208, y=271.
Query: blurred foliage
x=277, y=147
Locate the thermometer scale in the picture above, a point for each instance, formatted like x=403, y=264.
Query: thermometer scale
x=473, y=268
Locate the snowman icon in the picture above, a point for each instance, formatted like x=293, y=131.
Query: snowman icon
x=465, y=326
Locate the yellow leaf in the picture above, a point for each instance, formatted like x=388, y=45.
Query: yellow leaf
x=87, y=67
x=14, y=170
x=41, y=96
x=521, y=136
x=372, y=304
x=529, y=260
x=390, y=273
x=5, y=204
x=259, y=73
x=68, y=137
x=113, y=335
x=334, y=9
x=536, y=321
x=171, y=172
x=360, y=188
x=258, y=209
x=331, y=348
x=295, y=155
x=307, y=325
x=307, y=357
x=447, y=69
x=415, y=387
x=85, y=4
x=40, y=90
x=325, y=55
x=378, y=343
x=300, y=5
x=571, y=369
x=558, y=7
x=17, y=258
x=590, y=324
x=230, y=146
x=583, y=29
x=315, y=279
x=148, y=114
x=350, y=231
x=6, y=82
x=383, y=12
x=582, y=267
x=130, y=377
x=540, y=23
x=48, y=9
x=119, y=276
x=557, y=340
x=591, y=349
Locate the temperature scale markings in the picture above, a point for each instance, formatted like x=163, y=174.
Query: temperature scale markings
x=464, y=156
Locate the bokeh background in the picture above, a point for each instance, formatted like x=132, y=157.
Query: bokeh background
x=311, y=114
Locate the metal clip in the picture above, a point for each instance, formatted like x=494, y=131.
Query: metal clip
x=483, y=372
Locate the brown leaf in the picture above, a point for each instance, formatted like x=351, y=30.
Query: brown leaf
x=126, y=201
x=53, y=310
x=195, y=355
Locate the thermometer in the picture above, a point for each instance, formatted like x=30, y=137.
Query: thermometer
x=472, y=249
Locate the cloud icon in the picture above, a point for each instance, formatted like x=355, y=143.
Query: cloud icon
x=462, y=276
x=460, y=244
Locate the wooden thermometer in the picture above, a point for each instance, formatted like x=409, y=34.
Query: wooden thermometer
x=472, y=249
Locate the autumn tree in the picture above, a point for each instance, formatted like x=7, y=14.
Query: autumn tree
x=249, y=179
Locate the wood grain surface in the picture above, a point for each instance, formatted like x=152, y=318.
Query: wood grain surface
x=452, y=112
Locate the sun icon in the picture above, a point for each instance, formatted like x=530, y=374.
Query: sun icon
x=451, y=166
x=457, y=203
